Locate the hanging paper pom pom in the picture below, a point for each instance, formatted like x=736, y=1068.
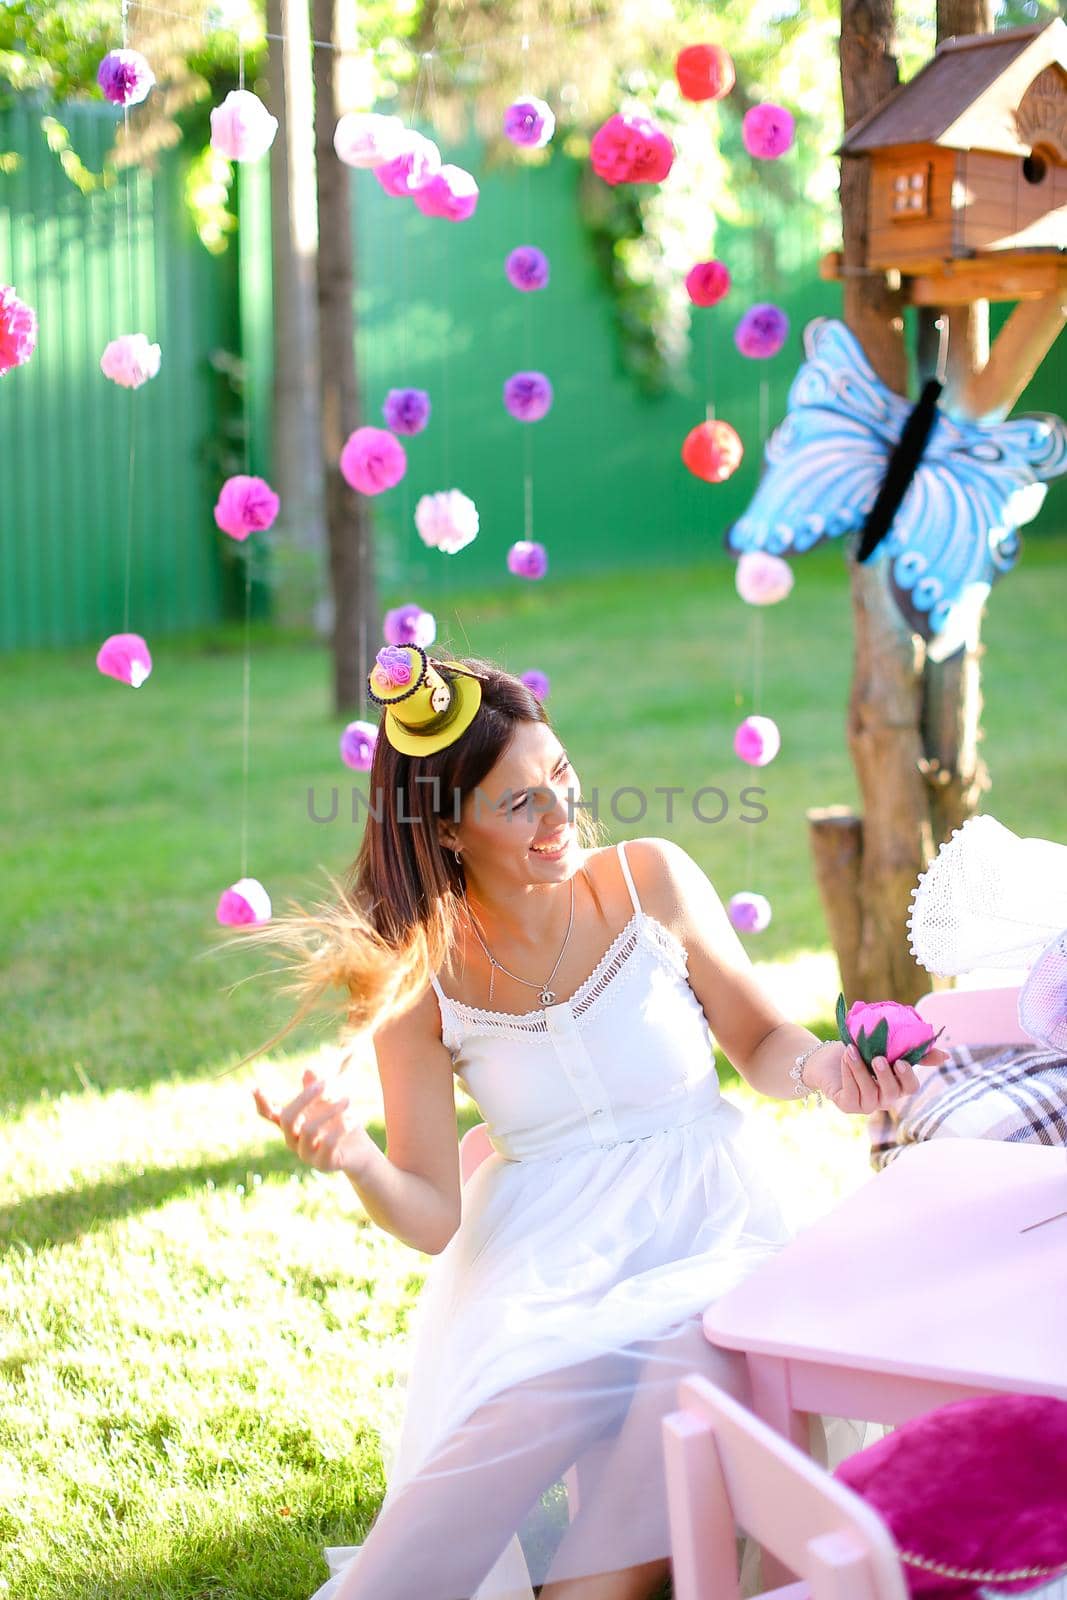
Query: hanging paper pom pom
x=757, y=741
x=410, y=624
x=528, y=396
x=242, y=129
x=125, y=656
x=704, y=72
x=763, y=579
x=244, y=901
x=761, y=332
x=446, y=521
x=767, y=131
x=366, y=139
x=528, y=559
x=749, y=913
x=357, y=745
x=707, y=283
x=527, y=268
x=537, y=682
x=125, y=77
x=418, y=161
x=631, y=149
x=130, y=360
x=451, y=193
x=406, y=410
x=245, y=505
x=372, y=460
x=529, y=122
x=712, y=451
x=18, y=330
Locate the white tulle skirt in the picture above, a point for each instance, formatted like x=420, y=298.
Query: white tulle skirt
x=551, y=1334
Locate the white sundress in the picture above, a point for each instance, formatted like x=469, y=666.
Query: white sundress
x=553, y=1329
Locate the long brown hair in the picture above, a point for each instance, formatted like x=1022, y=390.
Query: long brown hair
x=395, y=914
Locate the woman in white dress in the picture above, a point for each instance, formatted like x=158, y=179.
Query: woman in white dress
x=574, y=991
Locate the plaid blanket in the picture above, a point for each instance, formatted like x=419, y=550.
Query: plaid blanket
x=1012, y=1092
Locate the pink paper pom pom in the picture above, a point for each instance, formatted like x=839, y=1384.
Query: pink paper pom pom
x=712, y=451
x=373, y=461
x=244, y=901
x=767, y=131
x=529, y=122
x=245, y=505
x=528, y=559
x=125, y=77
x=18, y=330
x=537, y=682
x=451, y=193
x=406, y=410
x=763, y=579
x=357, y=745
x=419, y=159
x=242, y=129
x=446, y=521
x=749, y=913
x=366, y=139
x=707, y=283
x=130, y=360
x=762, y=332
x=704, y=72
x=631, y=149
x=528, y=396
x=527, y=268
x=125, y=656
x=410, y=624
x=757, y=741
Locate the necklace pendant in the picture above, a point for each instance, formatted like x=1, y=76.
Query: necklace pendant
x=546, y=997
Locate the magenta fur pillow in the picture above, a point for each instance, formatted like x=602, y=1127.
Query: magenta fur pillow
x=979, y=1485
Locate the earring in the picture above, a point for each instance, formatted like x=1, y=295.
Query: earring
x=457, y=856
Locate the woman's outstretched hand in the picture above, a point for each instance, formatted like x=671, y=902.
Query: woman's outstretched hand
x=842, y=1075
x=319, y=1128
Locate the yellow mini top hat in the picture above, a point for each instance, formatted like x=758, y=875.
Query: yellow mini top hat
x=423, y=711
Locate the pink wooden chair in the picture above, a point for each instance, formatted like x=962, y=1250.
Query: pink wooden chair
x=974, y=1016
x=726, y=1470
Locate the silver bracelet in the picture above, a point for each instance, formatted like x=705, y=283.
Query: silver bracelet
x=796, y=1072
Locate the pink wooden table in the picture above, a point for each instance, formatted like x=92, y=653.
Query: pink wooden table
x=943, y=1277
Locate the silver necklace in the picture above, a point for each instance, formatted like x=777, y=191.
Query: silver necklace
x=546, y=995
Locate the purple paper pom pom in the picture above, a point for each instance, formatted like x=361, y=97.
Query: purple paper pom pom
x=357, y=745
x=536, y=681
x=125, y=77
x=406, y=410
x=528, y=396
x=749, y=913
x=528, y=559
x=529, y=122
x=762, y=332
x=410, y=624
x=767, y=131
x=527, y=268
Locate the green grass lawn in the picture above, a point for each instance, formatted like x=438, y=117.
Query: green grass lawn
x=198, y=1341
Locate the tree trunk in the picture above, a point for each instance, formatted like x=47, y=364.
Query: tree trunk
x=296, y=456
x=356, y=624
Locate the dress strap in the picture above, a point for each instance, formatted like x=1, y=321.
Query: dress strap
x=624, y=864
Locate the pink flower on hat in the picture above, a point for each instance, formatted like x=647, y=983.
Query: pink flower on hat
x=394, y=665
x=631, y=149
x=373, y=461
x=245, y=505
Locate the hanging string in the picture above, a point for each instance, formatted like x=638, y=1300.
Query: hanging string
x=756, y=619
x=131, y=402
x=246, y=683
x=528, y=299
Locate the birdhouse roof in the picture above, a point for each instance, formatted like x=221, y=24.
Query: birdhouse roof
x=966, y=96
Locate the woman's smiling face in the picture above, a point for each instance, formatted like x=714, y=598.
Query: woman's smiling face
x=521, y=817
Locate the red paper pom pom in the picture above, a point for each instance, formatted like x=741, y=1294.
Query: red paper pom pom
x=712, y=451
x=704, y=72
x=707, y=283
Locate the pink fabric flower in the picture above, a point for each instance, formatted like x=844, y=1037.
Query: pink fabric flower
x=763, y=579
x=373, y=461
x=245, y=505
x=631, y=149
x=357, y=745
x=704, y=72
x=527, y=268
x=392, y=665
x=446, y=521
x=767, y=131
x=242, y=129
x=536, y=681
x=419, y=159
x=762, y=332
x=18, y=330
x=130, y=360
x=757, y=741
x=125, y=77
x=125, y=656
x=749, y=913
x=243, y=902
x=884, y=1028
x=712, y=451
x=451, y=193
x=528, y=559
x=529, y=122
x=707, y=283
x=528, y=396
x=366, y=139
x=406, y=410
x=410, y=624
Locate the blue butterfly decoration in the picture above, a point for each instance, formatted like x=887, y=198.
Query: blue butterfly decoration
x=956, y=530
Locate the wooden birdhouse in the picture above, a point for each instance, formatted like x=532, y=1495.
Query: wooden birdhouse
x=967, y=197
